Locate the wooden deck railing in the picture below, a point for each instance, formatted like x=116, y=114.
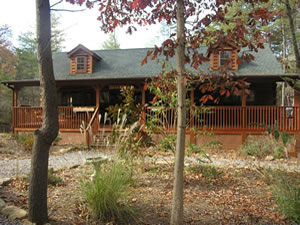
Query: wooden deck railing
x=216, y=118
x=31, y=117
x=235, y=118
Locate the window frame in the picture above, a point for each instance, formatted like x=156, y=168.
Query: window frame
x=82, y=65
x=223, y=60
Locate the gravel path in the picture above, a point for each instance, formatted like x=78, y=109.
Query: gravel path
x=287, y=165
x=8, y=168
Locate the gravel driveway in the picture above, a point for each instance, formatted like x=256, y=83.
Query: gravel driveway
x=9, y=168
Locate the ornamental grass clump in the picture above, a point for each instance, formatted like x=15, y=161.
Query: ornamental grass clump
x=286, y=191
x=107, y=194
x=262, y=147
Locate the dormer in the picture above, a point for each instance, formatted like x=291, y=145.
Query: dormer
x=82, y=60
x=224, y=56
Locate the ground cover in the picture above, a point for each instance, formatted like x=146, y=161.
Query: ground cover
x=213, y=195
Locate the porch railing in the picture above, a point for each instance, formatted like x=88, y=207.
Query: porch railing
x=221, y=118
x=217, y=118
x=31, y=117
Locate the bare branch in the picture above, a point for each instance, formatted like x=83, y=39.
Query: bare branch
x=67, y=10
x=60, y=1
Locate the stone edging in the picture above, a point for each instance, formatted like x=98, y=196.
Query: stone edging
x=12, y=212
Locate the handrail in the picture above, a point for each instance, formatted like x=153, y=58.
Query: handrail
x=92, y=119
x=223, y=118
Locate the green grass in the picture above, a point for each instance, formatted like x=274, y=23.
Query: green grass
x=286, y=191
x=107, y=195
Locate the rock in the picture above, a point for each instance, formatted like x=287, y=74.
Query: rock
x=4, y=181
x=64, y=150
x=96, y=161
x=13, y=212
x=27, y=222
x=269, y=158
x=2, y=203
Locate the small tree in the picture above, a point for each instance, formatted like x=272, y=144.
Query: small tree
x=7, y=72
x=111, y=42
x=38, y=212
x=190, y=35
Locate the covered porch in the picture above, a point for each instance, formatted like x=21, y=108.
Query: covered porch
x=85, y=100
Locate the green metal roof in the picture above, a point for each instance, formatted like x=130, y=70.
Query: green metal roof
x=122, y=64
x=126, y=63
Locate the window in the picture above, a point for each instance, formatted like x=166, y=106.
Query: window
x=81, y=62
x=224, y=56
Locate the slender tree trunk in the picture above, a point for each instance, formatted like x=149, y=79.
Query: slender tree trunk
x=43, y=137
x=177, y=203
x=284, y=61
x=293, y=33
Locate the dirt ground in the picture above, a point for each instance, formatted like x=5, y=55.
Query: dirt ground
x=235, y=196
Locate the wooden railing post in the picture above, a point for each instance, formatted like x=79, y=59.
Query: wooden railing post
x=297, y=115
x=14, y=110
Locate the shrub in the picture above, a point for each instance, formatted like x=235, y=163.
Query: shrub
x=52, y=178
x=215, y=144
x=106, y=196
x=25, y=140
x=263, y=147
x=209, y=172
x=168, y=143
x=286, y=191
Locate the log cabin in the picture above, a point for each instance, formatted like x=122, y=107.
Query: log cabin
x=89, y=81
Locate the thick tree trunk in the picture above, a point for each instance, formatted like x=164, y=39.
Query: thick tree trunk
x=177, y=203
x=44, y=137
x=293, y=33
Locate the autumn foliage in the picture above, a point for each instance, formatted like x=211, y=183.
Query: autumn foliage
x=244, y=35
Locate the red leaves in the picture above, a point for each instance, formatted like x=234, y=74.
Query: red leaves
x=141, y=4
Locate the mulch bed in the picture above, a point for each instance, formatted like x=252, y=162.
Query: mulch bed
x=238, y=196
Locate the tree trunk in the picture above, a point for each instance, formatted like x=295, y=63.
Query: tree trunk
x=293, y=33
x=284, y=61
x=177, y=203
x=43, y=137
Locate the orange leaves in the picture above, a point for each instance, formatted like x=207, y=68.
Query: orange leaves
x=144, y=61
x=205, y=98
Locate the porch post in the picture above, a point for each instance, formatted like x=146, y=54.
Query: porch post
x=14, y=111
x=244, y=103
x=143, y=116
x=297, y=117
x=192, y=131
x=96, y=121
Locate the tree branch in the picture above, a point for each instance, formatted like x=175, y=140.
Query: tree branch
x=67, y=10
x=60, y=1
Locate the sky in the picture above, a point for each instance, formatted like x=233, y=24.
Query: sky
x=79, y=27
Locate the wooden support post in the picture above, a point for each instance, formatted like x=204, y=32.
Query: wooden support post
x=96, y=122
x=296, y=153
x=244, y=117
x=14, y=110
x=95, y=125
x=192, y=125
x=143, y=116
